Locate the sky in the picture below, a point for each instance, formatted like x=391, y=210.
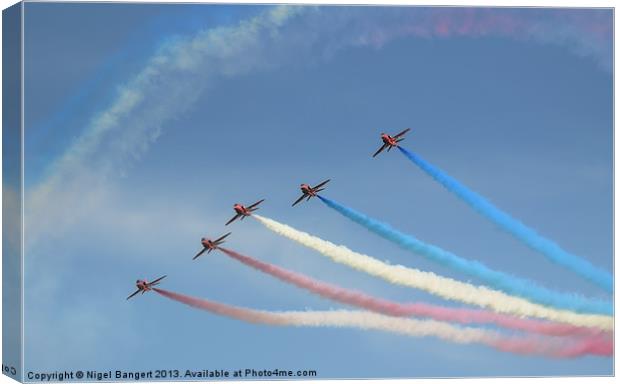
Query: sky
x=144, y=124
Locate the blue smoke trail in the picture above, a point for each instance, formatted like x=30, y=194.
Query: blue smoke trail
x=519, y=230
x=498, y=280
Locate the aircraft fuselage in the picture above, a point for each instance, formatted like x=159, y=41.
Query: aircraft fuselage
x=240, y=209
x=307, y=190
x=142, y=285
x=207, y=243
x=389, y=140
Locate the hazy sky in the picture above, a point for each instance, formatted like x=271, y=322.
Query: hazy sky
x=146, y=123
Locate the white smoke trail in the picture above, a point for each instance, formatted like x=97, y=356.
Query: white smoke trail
x=438, y=285
x=169, y=84
x=410, y=327
x=173, y=79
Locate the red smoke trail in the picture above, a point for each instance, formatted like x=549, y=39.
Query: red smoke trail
x=593, y=27
x=368, y=320
x=584, y=32
x=595, y=346
x=386, y=307
x=248, y=315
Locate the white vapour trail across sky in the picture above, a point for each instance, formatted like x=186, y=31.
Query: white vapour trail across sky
x=438, y=285
x=411, y=327
x=80, y=182
x=168, y=85
x=180, y=71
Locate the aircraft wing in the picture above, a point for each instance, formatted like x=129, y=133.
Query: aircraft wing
x=233, y=219
x=133, y=294
x=156, y=281
x=298, y=200
x=222, y=238
x=322, y=184
x=199, y=253
x=402, y=133
x=380, y=150
x=255, y=204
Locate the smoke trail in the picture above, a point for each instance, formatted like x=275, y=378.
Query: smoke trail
x=584, y=33
x=410, y=327
x=386, y=307
x=171, y=81
x=175, y=76
x=499, y=280
x=438, y=285
x=511, y=225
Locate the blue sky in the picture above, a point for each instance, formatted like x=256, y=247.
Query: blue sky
x=143, y=129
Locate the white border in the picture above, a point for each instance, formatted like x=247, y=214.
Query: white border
x=481, y=3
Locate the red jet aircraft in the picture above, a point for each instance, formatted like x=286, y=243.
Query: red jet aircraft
x=391, y=141
x=309, y=191
x=244, y=211
x=144, y=286
x=209, y=245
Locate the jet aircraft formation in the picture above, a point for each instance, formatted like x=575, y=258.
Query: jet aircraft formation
x=241, y=211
